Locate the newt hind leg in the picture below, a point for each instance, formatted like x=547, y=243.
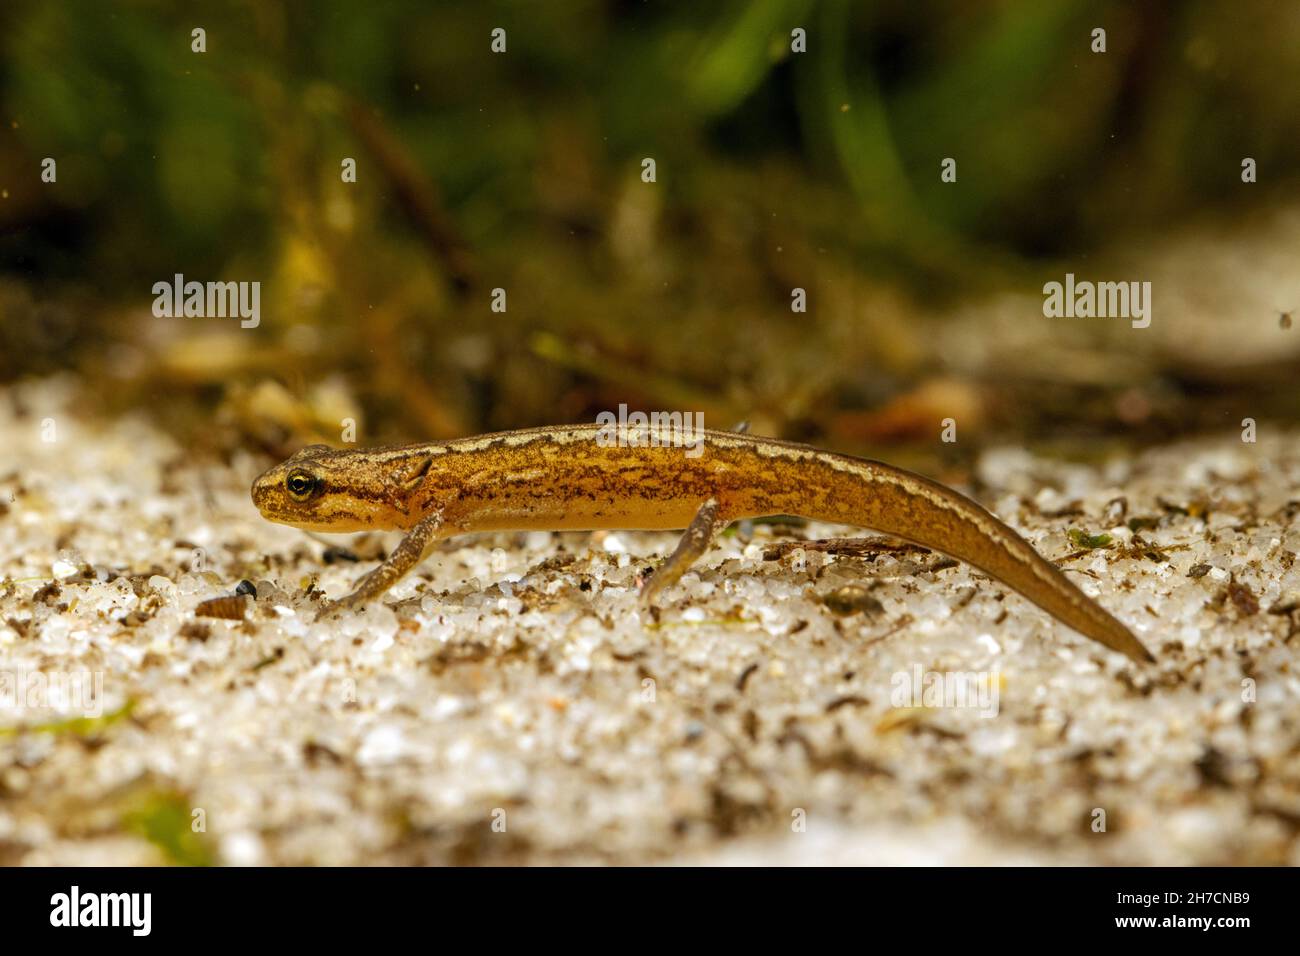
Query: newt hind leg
x=706, y=524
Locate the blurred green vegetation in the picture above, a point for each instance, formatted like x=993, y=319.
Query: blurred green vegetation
x=521, y=171
x=165, y=818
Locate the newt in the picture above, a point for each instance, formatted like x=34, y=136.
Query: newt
x=564, y=478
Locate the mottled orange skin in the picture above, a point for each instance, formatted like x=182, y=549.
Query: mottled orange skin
x=562, y=478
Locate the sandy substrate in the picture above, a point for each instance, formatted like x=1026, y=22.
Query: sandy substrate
x=511, y=704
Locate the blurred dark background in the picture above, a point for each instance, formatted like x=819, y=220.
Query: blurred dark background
x=775, y=170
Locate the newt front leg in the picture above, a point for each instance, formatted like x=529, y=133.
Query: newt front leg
x=405, y=556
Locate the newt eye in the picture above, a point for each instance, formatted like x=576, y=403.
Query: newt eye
x=301, y=484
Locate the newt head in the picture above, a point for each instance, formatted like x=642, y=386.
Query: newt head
x=330, y=490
